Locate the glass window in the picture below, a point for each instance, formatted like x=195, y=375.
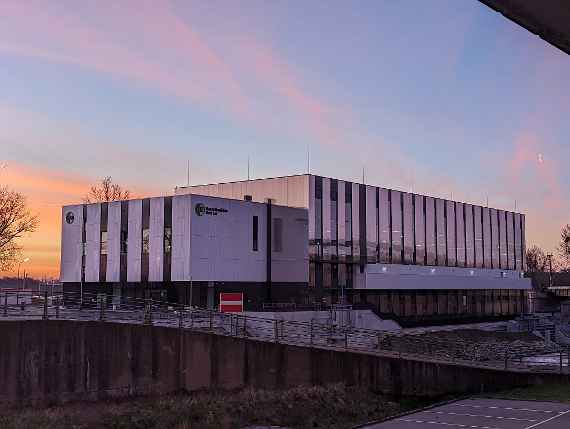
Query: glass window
x=503, y=240
x=384, y=228
x=494, y=238
x=430, y=231
x=441, y=230
x=460, y=238
x=487, y=239
x=255, y=234
x=371, y=225
x=451, y=245
x=124, y=242
x=104, y=245
x=145, y=241
x=469, y=236
x=518, y=243
x=277, y=234
x=167, y=240
x=356, y=221
x=408, y=228
x=478, y=226
x=334, y=218
x=397, y=233
x=419, y=229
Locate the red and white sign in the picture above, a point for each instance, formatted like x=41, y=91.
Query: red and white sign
x=231, y=302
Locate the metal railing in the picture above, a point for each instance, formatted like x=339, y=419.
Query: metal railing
x=534, y=356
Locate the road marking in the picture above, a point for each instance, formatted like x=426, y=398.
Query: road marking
x=451, y=413
x=547, y=420
x=505, y=408
x=428, y=422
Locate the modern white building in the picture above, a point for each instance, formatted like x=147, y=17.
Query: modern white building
x=158, y=246
x=404, y=255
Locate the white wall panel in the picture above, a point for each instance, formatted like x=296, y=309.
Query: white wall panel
x=451, y=240
x=384, y=225
x=292, y=263
x=156, y=243
x=469, y=236
x=371, y=225
x=114, y=242
x=510, y=241
x=431, y=239
x=518, y=242
x=487, y=239
x=419, y=229
x=503, y=239
x=396, y=226
x=408, y=228
x=478, y=225
x=356, y=221
x=495, y=250
x=180, y=264
x=134, y=243
x=71, y=245
x=460, y=238
x=441, y=231
x=326, y=218
x=93, y=240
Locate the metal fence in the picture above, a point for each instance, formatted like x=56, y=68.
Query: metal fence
x=535, y=356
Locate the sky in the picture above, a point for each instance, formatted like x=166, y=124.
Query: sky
x=445, y=97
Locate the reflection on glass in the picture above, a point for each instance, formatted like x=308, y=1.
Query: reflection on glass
x=441, y=232
x=419, y=229
x=469, y=236
x=348, y=220
x=396, y=203
x=451, y=246
x=408, y=228
x=145, y=241
x=486, y=238
x=384, y=228
x=460, y=239
x=371, y=226
x=477, y=223
x=430, y=231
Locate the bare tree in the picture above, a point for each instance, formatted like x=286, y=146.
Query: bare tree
x=15, y=221
x=564, y=245
x=107, y=191
x=536, y=260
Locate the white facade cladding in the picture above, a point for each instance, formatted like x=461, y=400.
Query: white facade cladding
x=354, y=226
x=184, y=238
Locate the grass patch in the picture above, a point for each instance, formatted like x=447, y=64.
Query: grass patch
x=331, y=407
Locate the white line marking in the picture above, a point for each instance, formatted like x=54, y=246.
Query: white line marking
x=548, y=420
x=451, y=413
x=446, y=424
x=505, y=408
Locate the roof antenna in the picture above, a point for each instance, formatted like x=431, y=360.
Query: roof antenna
x=515, y=205
x=363, y=175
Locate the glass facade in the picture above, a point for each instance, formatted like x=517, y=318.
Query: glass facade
x=408, y=228
x=431, y=253
x=397, y=238
x=441, y=241
x=384, y=224
x=365, y=225
x=460, y=236
x=451, y=246
x=420, y=230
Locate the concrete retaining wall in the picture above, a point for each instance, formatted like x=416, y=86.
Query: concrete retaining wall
x=63, y=360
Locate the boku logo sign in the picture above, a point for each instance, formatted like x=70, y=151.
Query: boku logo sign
x=202, y=209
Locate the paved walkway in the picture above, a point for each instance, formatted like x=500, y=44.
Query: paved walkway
x=486, y=414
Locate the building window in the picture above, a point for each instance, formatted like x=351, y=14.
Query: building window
x=277, y=234
x=104, y=246
x=124, y=242
x=167, y=240
x=145, y=241
x=255, y=234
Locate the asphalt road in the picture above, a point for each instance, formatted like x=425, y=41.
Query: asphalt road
x=486, y=414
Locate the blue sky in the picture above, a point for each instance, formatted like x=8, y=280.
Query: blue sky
x=442, y=97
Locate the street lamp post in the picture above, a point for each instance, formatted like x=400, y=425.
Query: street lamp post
x=549, y=256
x=19, y=264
